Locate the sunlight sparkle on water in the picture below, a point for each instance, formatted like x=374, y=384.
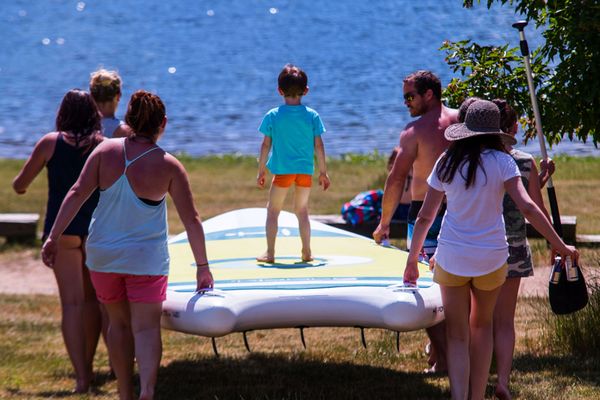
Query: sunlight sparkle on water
x=80, y=6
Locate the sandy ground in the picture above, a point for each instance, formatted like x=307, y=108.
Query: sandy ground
x=24, y=273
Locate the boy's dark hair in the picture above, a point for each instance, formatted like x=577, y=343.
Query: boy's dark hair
x=425, y=80
x=145, y=114
x=508, y=115
x=292, y=81
x=78, y=114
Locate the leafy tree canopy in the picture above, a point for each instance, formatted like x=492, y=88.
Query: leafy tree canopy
x=566, y=68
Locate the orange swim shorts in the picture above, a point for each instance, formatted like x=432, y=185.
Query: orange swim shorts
x=286, y=180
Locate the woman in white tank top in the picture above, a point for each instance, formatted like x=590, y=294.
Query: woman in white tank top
x=127, y=245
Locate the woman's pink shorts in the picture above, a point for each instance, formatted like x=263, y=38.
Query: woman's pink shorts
x=112, y=287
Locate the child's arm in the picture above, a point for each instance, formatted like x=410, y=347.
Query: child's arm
x=320, y=150
x=265, y=147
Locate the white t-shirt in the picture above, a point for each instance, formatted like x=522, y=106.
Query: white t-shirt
x=472, y=239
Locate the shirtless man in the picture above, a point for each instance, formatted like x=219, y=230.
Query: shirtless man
x=421, y=143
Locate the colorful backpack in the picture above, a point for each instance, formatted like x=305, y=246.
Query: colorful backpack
x=365, y=206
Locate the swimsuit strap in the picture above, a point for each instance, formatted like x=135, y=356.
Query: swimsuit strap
x=129, y=162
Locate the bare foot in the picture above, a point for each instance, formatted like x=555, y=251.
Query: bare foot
x=266, y=258
x=502, y=392
x=307, y=256
x=436, y=369
x=82, y=386
x=307, y=259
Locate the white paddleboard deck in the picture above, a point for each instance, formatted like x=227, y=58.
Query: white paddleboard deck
x=352, y=281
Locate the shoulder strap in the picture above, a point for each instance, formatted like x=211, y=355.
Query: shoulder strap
x=129, y=162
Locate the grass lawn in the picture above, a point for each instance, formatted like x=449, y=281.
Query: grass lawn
x=226, y=183
x=34, y=364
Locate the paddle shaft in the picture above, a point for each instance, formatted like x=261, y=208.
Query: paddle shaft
x=538, y=126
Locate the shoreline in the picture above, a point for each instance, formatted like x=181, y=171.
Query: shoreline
x=350, y=156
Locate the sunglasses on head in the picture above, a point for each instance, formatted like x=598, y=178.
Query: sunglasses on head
x=410, y=96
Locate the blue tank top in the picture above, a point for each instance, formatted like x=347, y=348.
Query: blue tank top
x=64, y=168
x=128, y=235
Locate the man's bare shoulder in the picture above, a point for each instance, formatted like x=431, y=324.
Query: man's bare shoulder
x=449, y=115
x=410, y=130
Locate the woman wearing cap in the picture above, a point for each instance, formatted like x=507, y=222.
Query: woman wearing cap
x=470, y=261
x=127, y=251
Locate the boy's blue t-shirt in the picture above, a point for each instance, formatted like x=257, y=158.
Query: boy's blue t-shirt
x=292, y=130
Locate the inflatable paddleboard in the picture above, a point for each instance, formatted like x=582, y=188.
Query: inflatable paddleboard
x=352, y=281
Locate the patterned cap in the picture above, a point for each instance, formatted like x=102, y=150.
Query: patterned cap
x=482, y=118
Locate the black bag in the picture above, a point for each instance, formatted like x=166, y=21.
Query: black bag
x=566, y=296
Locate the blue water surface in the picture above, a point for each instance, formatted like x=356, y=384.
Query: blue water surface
x=215, y=63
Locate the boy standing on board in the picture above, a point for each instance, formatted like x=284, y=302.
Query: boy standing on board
x=294, y=132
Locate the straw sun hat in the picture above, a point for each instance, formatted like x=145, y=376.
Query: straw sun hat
x=482, y=118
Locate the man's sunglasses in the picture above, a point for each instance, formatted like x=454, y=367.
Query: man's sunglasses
x=410, y=96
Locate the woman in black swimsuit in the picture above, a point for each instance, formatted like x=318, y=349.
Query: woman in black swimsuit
x=63, y=153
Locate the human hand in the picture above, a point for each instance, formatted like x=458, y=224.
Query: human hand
x=49, y=250
x=204, y=279
x=547, y=166
x=381, y=233
x=432, y=263
x=570, y=251
x=324, y=180
x=260, y=179
x=411, y=273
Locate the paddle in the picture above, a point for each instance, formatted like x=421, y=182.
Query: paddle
x=520, y=25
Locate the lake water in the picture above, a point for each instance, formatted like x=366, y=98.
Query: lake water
x=215, y=63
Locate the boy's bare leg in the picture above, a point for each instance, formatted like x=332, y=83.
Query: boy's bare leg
x=301, y=197
x=276, y=198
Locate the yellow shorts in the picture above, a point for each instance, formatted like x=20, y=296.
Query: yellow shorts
x=484, y=282
x=302, y=180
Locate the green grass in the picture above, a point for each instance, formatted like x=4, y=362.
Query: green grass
x=224, y=183
x=34, y=365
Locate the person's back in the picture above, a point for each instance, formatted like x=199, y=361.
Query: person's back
x=292, y=129
x=429, y=135
x=131, y=209
x=472, y=233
